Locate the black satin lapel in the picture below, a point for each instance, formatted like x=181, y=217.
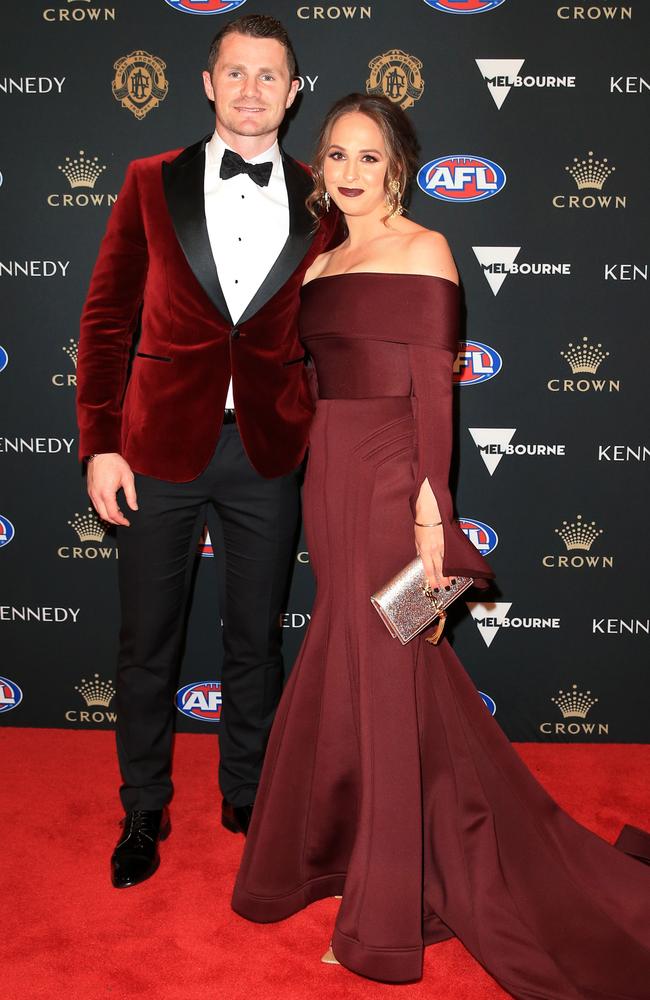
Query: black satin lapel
x=183, y=183
x=302, y=230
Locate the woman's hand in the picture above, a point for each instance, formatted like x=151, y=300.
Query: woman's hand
x=430, y=546
x=430, y=542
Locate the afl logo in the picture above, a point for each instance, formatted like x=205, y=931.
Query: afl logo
x=205, y=6
x=6, y=531
x=482, y=536
x=475, y=362
x=10, y=695
x=200, y=700
x=490, y=703
x=463, y=6
x=461, y=178
x=4, y=359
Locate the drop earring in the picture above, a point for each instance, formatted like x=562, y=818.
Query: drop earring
x=395, y=203
x=326, y=201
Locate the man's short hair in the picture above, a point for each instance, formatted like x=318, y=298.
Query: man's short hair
x=255, y=26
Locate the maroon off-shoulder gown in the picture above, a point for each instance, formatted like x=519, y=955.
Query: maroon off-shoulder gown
x=386, y=779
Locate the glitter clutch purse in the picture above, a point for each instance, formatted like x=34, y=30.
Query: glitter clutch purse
x=406, y=604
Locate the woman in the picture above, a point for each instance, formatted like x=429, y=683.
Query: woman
x=385, y=778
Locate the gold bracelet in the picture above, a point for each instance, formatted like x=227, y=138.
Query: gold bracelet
x=420, y=525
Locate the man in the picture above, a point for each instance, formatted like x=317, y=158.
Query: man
x=209, y=248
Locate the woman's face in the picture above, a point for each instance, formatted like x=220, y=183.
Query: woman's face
x=355, y=165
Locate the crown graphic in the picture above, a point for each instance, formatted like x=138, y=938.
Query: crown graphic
x=96, y=692
x=71, y=349
x=578, y=534
x=584, y=357
x=89, y=527
x=590, y=173
x=574, y=702
x=82, y=172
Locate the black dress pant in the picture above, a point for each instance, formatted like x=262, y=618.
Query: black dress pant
x=259, y=518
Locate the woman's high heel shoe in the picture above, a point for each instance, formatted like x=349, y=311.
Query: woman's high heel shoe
x=329, y=958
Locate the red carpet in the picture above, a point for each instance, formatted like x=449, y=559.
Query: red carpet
x=69, y=935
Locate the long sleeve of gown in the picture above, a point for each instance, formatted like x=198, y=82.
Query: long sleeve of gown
x=431, y=374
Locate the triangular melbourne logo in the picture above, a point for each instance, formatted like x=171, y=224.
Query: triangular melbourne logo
x=496, y=72
x=492, y=443
x=489, y=618
x=496, y=263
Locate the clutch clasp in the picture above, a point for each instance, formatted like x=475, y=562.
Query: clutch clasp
x=435, y=599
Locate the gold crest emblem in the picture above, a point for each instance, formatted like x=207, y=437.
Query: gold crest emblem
x=396, y=75
x=140, y=84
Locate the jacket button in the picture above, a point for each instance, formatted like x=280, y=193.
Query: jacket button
x=234, y=333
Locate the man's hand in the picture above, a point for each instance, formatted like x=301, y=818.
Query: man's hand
x=106, y=474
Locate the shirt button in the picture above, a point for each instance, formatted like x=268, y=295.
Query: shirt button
x=234, y=333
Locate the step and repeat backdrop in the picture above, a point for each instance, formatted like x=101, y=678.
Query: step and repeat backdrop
x=533, y=121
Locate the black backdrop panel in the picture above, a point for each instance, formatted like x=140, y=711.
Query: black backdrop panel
x=533, y=122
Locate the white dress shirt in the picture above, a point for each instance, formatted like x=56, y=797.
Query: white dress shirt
x=248, y=226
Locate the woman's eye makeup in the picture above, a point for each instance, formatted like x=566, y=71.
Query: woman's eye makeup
x=336, y=154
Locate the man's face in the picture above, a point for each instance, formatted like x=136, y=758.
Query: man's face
x=250, y=87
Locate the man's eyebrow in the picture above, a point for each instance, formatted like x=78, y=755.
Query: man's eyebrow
x=262, y=69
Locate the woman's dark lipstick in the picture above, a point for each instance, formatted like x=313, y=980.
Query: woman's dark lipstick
x=350, y=192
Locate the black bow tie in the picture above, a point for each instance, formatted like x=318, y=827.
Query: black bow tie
x=233, y=164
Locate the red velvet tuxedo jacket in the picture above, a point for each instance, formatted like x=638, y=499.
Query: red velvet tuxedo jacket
x=155, y=261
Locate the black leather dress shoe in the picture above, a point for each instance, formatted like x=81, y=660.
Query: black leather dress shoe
x=236, y=818
x=136, y=856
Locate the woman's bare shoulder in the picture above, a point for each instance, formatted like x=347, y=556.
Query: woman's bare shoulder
x=317, y=267
x=428, y=252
